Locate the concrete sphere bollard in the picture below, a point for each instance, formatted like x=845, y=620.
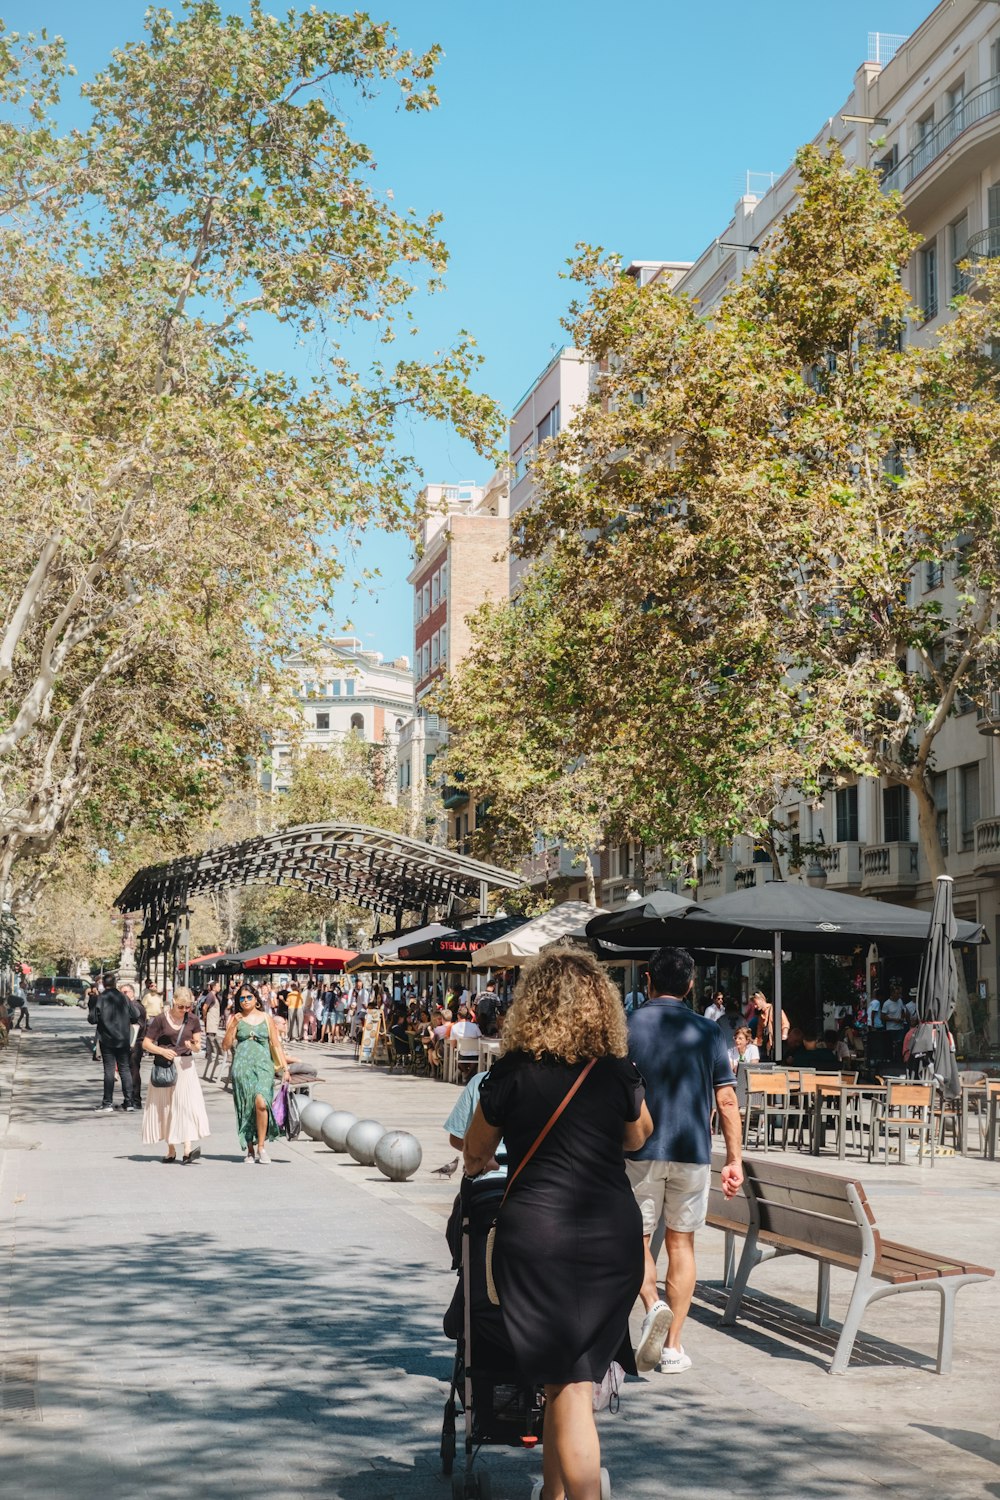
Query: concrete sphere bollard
x=335, y=1127
x=313, y=1116
x=398, y=1155
x=362, y=1139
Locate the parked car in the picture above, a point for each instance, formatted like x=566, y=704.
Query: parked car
x=60, y=989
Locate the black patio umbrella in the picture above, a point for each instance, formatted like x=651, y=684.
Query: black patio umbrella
x=661, y=919
x=937, y=991
x=783, y=915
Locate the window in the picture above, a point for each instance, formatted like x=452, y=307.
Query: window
x=435, y=590
x=954, y=99
x=958, y=235
x=418, y=599
x=968, y=791
x=336, y=689
x=443, y=575
x=443, y=633
x=349, y=687
x=928, y=290
x=847, y=815
x=923, y=128
x=933, y=575
x=896, y=814
x=427, y=598
x=939, y=791
x=548, y=427
x=357, y=724
x=995, y=57
x=887, y=163
x=322, y=721
x=522, y=459
x=435, y=648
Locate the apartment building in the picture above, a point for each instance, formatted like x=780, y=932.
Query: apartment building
x=342, y=690
x=461, y=563
x=545, y=408
x=927, y=109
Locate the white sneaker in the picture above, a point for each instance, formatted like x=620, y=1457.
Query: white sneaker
x=673, y=1361
x=655, y=1327
x=263, y=1158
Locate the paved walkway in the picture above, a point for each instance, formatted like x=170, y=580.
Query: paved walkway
x=231, y=1332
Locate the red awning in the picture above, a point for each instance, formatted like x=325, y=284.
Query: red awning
x=206, y=958
x=303, y=956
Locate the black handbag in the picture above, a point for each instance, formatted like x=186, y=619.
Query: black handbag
x=293, y=1116
x=164, y=1074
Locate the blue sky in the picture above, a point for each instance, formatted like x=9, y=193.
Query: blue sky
x=564, y=120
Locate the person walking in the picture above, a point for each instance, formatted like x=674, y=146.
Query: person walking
x=762, y=1022
x=683, y=1061
x=19, y=1004
x=136, y=1033
x=295, y=1002
x=113, y=1014
x=175, y=1113
x=213, y=1043
x=257, y=1050
x=568, y=1260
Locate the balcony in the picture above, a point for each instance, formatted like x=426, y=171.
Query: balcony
x=842, y=863
x=718, y=880
x=988, y=713
x=745, y=877
x=979, y=104
x=889, y=867
x=555, y=863
x=987, y=846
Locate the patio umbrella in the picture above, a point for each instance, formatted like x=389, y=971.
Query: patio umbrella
x=457, y=948
x=528, y=940
x=937, y=991
x=303, y=956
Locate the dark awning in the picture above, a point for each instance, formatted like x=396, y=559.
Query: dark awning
x=457, y=947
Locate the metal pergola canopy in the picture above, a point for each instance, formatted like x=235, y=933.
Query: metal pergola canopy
x=384, y=872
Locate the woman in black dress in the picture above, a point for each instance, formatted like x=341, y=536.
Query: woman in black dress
x=568, y=1257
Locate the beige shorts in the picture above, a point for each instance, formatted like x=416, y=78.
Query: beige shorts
x=676, y=1189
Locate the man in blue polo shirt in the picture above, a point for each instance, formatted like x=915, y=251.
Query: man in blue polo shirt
x=685, y=1066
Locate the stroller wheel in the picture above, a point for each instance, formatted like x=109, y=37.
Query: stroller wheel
x=605, y=1485
x=448, y=1439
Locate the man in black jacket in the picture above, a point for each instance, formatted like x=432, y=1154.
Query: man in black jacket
x=113, y=1014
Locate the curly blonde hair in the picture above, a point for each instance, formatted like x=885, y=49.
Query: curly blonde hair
x=566, y=1007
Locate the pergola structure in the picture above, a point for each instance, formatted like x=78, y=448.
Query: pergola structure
x=386, y=873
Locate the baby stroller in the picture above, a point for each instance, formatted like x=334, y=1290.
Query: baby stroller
x=486, y=1387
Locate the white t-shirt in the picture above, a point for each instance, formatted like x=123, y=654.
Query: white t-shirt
x=750, y=1055
x=893, y=1014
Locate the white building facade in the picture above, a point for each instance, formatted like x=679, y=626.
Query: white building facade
x=341, y=690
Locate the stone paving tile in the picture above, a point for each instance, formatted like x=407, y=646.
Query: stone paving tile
x=228, y=1332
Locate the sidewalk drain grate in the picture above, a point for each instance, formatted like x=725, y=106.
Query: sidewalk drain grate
x=18, y=1389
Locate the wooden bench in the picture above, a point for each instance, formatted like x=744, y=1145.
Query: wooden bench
x=797, y=1211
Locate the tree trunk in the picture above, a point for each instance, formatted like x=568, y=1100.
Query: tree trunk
x=588, y=865
x=930, y=846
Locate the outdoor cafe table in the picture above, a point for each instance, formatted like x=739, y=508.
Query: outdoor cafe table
x=972, y=1092
x=489, y=1051
x=828, y=1089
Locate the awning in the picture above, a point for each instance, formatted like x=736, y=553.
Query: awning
x=458, y=947
x=386, y=955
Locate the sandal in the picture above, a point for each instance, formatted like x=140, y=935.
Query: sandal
x=168, y=1161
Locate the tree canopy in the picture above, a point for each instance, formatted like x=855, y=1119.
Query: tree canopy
x=173, y=509
x=725, y=596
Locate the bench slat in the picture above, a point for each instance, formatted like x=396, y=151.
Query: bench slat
x=935, y=1265
x=819, y=1230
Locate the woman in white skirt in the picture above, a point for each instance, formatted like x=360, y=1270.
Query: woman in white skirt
x=176, y=1113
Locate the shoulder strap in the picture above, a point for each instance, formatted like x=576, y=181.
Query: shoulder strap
x=546, y=1128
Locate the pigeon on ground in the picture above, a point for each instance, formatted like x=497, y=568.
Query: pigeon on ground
x=448, y=1170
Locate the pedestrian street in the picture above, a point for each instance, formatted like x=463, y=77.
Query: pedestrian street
x=218, y=1330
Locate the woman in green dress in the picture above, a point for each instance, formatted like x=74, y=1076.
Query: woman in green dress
x=253, y=1038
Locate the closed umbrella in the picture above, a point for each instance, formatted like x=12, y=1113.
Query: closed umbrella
x=937, y=991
